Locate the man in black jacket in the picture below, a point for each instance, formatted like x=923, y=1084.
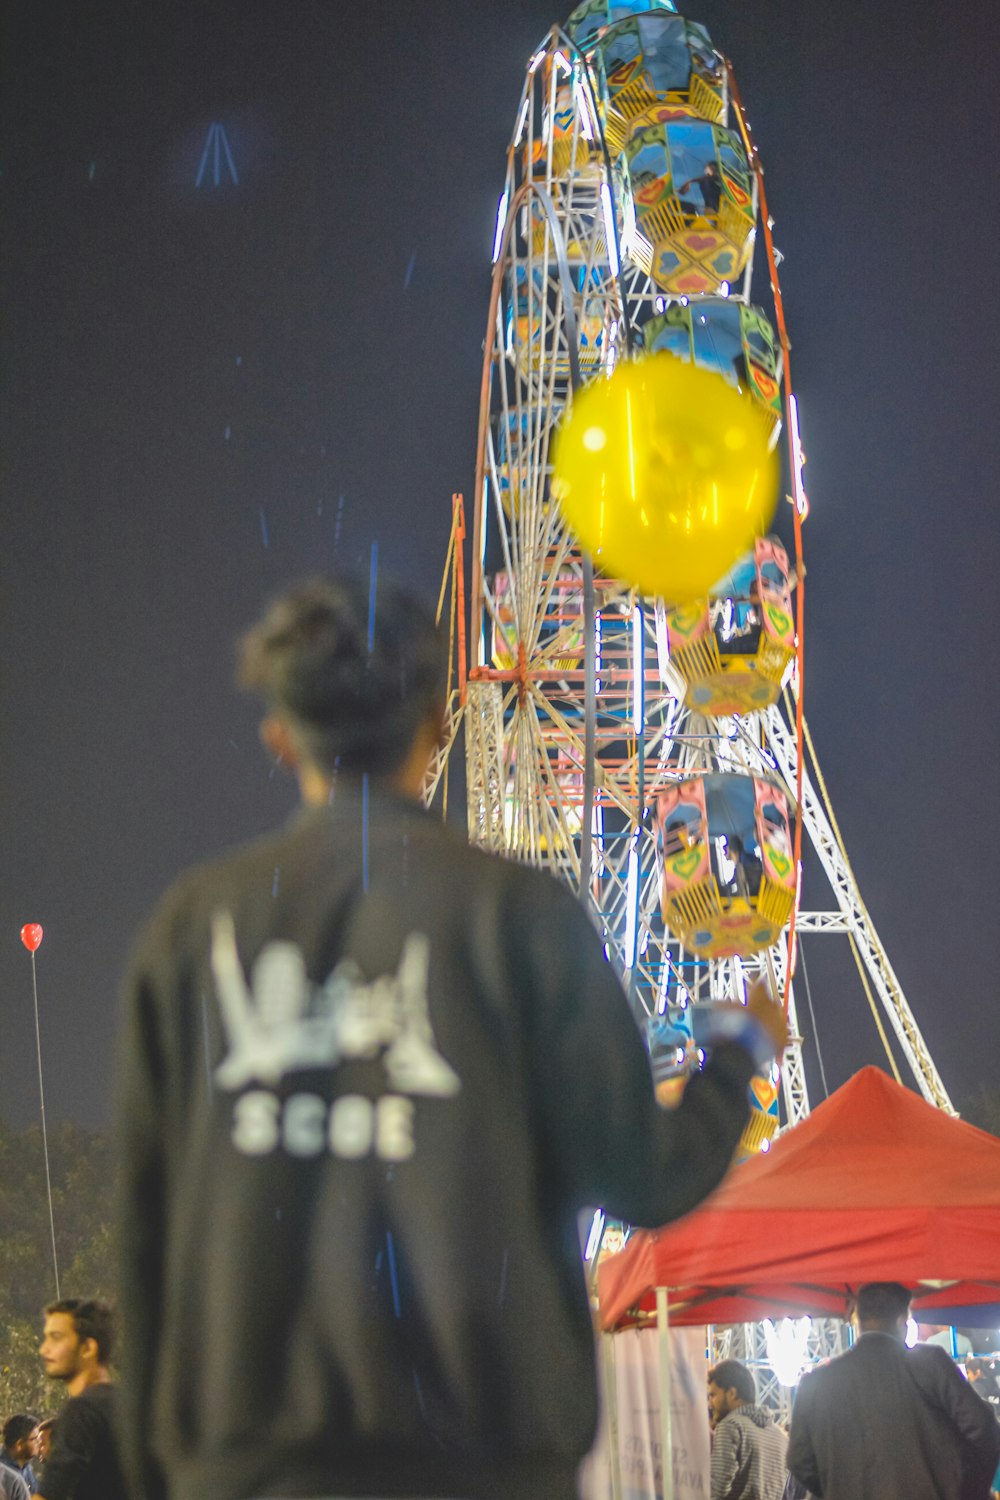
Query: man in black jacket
x=883, y=1422
x=370, y=1075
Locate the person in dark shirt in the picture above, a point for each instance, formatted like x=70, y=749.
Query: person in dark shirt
x=710, y=185
x=76, y=1348
x=370, y=1077
x=883, y=1422
x=18, y=1446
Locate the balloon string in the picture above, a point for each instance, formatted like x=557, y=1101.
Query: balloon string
x=45, y=1138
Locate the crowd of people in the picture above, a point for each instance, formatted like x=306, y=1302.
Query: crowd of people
x=370, y=1079
x=879, y=1422
x=73, y=1456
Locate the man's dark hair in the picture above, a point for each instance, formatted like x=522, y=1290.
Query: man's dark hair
x=91, y=1320
x=882, y=1303
x=17, y=1427
x=731, y=1375
x=355, y=676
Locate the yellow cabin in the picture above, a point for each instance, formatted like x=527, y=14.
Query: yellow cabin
x=688, y=206
x=728, y=869
x=733, y=649
x=656, y=67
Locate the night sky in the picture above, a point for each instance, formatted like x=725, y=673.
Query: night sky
x=209, y=391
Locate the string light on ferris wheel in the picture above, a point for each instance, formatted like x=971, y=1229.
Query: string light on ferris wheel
x=798, y=461
x=501, y=224
x=522, y=120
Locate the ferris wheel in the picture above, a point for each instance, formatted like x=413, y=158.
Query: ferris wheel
x=651, y=755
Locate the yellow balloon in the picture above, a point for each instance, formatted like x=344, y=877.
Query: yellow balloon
x=664, y=473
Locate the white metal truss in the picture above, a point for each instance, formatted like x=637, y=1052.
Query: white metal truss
x=856, y=920
x=822, y=921
x=748, y=1342
x=484, y=763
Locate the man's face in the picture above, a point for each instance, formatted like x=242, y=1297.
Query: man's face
x=60, y=1347
x=719, y=1403
x=23, y=1450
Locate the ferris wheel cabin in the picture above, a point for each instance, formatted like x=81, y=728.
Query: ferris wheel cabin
x=732, y=650
x=654, y=67
x=688, y=206
x=526, y=325
x=594, y=16
x=728, y=337
x=728, y=872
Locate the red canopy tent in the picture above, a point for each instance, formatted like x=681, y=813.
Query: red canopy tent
x=876, y=1185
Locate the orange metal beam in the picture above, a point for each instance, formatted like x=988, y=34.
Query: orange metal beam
x=458, y=527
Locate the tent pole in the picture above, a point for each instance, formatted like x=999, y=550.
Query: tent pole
x=611, y=1410
x=666, y=1438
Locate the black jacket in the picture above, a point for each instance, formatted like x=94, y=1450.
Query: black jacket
x=883, y=1422
x=350, y=1262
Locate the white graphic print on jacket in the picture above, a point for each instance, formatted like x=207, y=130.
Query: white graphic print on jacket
x=282, y=1023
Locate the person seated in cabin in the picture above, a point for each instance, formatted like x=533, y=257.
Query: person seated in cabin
x=709, y=185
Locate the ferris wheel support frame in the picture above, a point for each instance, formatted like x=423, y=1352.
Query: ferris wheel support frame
x=854, y=917
x=498, y=758
x=613, y=864
x=794, y=1088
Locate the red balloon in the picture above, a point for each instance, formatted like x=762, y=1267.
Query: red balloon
x=31, y=935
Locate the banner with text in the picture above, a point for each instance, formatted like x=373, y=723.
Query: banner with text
x=636, y=1357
